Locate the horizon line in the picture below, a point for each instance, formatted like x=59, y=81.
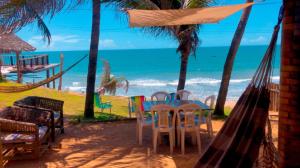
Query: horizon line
x=120, y=49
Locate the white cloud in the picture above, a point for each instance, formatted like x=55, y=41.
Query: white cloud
x=257, y=40
x=56, y=40
x=107, y=43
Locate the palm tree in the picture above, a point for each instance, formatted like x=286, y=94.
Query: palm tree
x=235, y=44
x=18, y=13
x=186, y=35
x=15, y=14
x=91, y=78
x=110, y=83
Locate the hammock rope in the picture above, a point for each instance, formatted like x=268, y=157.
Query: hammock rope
x=242, y=141
x=15, y=89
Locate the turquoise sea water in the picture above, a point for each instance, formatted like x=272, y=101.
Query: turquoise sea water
x=150, y=70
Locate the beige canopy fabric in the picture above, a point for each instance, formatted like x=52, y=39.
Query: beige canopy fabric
x=12, y=43
x=145, y=18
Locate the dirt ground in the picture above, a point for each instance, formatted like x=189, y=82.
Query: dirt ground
x=114, y=144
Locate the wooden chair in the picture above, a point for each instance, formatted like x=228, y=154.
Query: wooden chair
x=189, y=117
x=161, y=96
x=165, y=124
x=183, y=94
x=210, y=101
x=24, y=131
x=52, y=105
x=142, y=121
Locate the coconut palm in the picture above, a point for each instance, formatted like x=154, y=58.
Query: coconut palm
x=15, y=14
x=109, y=82
x=92, y=68
x=186, y=35
x=235, y=44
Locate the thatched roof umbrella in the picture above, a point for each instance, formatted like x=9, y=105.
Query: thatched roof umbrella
x=10, y=43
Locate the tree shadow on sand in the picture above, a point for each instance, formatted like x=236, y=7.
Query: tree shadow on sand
x=110, y=145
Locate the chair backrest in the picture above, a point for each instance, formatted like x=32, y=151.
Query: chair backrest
x=160, y=96
x=163, y=113
x=183, y=94
x=136, y=102
x=189, y=112
x=140, y=114
x=210, y=101
x=172, y=97
x=97, y=100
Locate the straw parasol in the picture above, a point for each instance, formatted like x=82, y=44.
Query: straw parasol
x=10, y=43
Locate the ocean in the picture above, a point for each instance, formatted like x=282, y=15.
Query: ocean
x=151, y=70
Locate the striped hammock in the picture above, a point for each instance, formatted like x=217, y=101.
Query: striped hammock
x=242, y=141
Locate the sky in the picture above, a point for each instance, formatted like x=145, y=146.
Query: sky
x=71, y=29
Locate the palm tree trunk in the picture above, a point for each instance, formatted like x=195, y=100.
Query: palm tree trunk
x=235, y=44
x=183, y=70
x=91, y=78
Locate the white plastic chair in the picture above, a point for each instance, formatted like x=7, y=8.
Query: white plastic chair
x=210, y=101
x=183, y=94
x=165, y=124
x=160, y=96
x=189, y=118
x=142, y=121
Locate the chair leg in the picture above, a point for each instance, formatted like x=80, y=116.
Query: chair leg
x=140, y=134
x=171, y=137
x=174, y=141
x=209, y=128
x=182, y=132
x=155, y=132
x=178, y=136
x=197, y=131
x=137, y=132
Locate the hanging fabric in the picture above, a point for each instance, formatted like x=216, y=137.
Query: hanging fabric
x=238, y=142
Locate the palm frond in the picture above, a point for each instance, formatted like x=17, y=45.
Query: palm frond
x=15, y=14
x=132, y=4
x=111, y=83
x=186, y=35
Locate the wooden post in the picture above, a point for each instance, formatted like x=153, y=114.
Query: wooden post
x=19, y=73
x=48, y=76
x=0, y=68
x=53, y=73
x=60, y=70
x=289, y=110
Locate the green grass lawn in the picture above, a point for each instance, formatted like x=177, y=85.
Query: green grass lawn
x=73, y=103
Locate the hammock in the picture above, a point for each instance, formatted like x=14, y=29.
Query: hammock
x=242, y=139
x=15, y=89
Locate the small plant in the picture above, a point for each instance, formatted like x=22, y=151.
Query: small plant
x=110, y=83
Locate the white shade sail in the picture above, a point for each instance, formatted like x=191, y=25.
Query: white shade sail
x=145, y=18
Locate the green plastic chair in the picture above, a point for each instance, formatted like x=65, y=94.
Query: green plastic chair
x=102, y=105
